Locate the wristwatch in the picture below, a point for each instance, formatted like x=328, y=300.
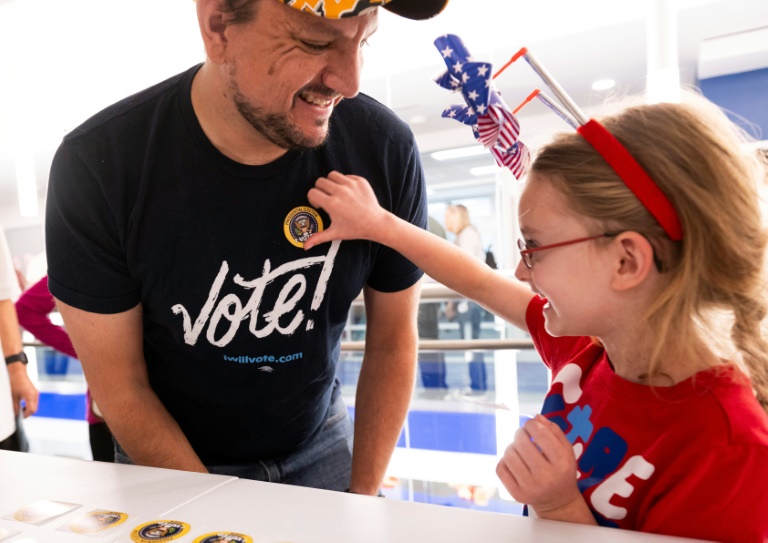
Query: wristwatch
x=20, y=357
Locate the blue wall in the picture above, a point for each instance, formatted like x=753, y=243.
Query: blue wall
x=745, y=96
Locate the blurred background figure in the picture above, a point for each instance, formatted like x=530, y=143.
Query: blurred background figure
x=431, y=363
x=33, y=309
x=465, y=312
x=18, y=396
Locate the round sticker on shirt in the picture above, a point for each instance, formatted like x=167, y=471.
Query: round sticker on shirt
x=223, y=537
x=159, y=530
x=96, y=521
x=301, y=223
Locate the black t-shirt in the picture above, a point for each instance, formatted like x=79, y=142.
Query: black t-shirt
x=241, y=327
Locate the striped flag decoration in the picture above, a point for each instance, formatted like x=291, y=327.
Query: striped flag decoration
x=492, y=123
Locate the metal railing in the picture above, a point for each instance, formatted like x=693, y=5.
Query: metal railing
x=454, y=344
x=432, y=291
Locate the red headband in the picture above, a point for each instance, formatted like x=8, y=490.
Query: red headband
x=634, y=176
x=613, y=152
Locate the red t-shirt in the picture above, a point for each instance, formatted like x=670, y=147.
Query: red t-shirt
x=689, y=460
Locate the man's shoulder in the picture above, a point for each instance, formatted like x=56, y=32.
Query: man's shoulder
x=126, y=110
x=365, y=110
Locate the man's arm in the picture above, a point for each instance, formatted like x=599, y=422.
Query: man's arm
x=111, y=350
x=10, y=338
x=386, y=382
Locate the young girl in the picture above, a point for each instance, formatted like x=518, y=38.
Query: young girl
x=655, y=419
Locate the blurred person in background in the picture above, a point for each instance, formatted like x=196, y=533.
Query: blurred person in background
x=467, y=313
x=432, y=363
x=18, y=396
x=33, y=309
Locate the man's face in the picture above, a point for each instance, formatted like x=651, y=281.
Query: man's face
x=288, y=69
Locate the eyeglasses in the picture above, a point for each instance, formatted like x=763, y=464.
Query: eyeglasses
x=525, y=252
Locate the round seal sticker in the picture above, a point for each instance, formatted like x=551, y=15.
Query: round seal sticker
x=96, y=521
x=159, y=530
x=223, y=537
x=300, y=224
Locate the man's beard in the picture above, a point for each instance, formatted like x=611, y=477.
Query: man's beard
x=275, y=127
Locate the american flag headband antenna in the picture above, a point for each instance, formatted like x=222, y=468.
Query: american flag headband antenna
x=610, y=148
x=571, y=114
x=497, y=128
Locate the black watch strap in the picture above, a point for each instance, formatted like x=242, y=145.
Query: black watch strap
x=20, y=357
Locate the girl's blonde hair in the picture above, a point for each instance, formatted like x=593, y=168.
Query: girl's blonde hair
x=698, y=158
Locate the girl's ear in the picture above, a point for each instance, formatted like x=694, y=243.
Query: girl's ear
x=634, y=260
x=212, y=29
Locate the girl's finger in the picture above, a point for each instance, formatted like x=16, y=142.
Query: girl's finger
x=551, y=440
x=507, y=477
x=530, y=451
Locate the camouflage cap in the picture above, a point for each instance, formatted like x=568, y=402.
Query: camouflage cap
x=338, y=9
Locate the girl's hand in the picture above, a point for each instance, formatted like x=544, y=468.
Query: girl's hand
x=351, y=203
x=539, y=469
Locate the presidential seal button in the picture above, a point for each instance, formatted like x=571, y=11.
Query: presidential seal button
x=159, y=530
x=301, y=223
x=97, y=521
x=223, y=537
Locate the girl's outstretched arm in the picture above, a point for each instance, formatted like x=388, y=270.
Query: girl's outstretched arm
x=356, y=214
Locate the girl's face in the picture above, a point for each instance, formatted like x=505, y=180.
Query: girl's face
x=575, y=279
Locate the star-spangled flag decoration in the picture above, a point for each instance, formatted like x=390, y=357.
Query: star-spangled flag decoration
x=492, y=123
x=517, y=158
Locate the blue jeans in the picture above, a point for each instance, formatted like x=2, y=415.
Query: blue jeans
x=324, y=462
x=471, y=318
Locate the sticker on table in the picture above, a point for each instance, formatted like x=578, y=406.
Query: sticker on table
x=42, y=511
x=97, y=521
x=159, y=530
x=223, y=537
x=5, y=533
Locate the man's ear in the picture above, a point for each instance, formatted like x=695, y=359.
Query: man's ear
x=634, y=260
x=212, y=29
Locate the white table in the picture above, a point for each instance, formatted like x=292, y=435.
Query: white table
x=143, y=493
x=272, y=513
x=269, y=513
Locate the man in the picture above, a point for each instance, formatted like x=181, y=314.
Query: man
x=208, y=336
x=15, y=386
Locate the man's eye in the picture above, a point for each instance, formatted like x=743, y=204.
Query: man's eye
x=315, y=46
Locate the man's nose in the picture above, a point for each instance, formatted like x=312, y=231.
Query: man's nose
x=342, y=73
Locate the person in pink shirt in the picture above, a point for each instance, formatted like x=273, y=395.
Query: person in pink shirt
x=18, y=396
x=33, y=308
